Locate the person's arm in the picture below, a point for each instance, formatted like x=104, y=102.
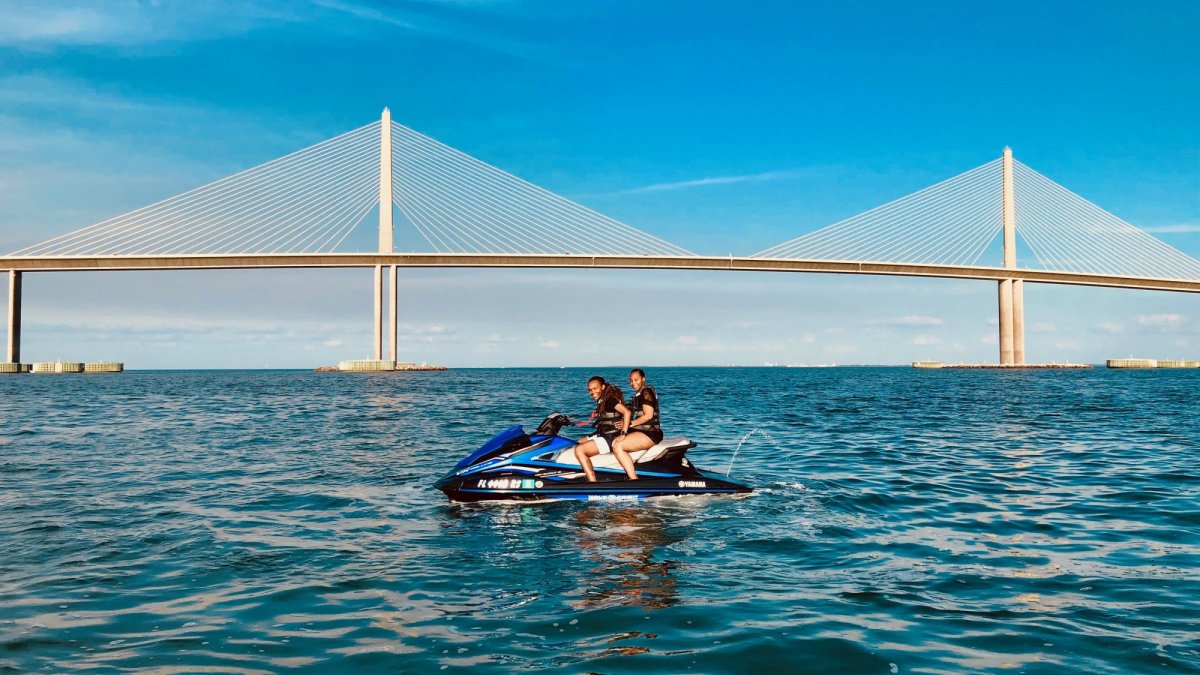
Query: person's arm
x=587, y=421
x=647, y=415
x=626, y=417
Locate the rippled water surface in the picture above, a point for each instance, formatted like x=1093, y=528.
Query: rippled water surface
x=904, y=521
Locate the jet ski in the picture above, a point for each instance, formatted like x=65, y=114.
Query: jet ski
x=518, y=466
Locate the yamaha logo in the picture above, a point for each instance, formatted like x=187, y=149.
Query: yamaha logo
x=692, y=484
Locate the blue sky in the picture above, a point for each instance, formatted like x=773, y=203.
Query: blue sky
x=722, y=127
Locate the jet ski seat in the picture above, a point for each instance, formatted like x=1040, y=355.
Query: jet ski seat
x=609, y=460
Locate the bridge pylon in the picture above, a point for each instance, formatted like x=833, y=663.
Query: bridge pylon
x=1011, y=291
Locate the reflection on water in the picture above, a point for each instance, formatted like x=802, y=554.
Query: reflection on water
x=620, y=548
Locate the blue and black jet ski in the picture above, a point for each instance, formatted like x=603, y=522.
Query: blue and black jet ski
x=529, y=467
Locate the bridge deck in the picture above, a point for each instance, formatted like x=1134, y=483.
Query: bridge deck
x=279, y=260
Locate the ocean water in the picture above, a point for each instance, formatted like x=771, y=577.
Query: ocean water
x=905, y=521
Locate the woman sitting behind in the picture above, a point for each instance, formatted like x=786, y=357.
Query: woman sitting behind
x=645, y=431
x=612, y=421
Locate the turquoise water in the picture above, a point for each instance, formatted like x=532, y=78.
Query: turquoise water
x=905, y=521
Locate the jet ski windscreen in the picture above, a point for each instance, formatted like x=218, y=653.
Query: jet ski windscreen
x=508, y=440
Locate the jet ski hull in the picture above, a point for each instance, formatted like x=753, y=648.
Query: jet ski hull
x=526, y=487
x=516, y=466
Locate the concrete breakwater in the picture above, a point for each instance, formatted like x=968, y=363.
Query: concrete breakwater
x=376, y=366
x=61, y=367
x=998, y=366
x=1142, y=364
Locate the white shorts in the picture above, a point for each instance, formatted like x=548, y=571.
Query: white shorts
x=601, y=444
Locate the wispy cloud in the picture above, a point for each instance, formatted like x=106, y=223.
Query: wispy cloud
x=40, y=23
x=367, y=13
x=1160, y=320
x=77, y=23
x=91, y=151
x=463, y=22
x=719, y=180
x=47, y=25
x=917, y=320
x=427, y=333
x=172, y=327
x=926, y=340
x=40, y=92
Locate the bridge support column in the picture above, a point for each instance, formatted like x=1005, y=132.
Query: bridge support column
x=393, y=312
x=1018, y=322
x=377, y=334
x=14, y=316
x=1006, y=322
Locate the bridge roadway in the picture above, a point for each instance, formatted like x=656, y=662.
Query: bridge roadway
x=301, y=260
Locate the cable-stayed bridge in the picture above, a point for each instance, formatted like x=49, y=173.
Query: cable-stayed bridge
x=313, y=208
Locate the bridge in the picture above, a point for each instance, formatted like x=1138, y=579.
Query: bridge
x=300, y=210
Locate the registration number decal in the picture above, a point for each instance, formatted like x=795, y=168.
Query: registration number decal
x=508, y=484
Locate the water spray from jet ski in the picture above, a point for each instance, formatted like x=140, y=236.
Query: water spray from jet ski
x=739, y=445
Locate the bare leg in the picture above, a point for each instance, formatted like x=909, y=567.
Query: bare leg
x=624, y=459
x=583, y=454
x=633, y=442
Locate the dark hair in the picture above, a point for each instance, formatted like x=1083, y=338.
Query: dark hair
x=641, y=373
x=607, y=390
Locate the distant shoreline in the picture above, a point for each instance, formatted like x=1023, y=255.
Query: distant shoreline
x=905, y=366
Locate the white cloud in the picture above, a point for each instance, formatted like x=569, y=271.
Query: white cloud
x=926, y=340
x=333, y=343
x=49, y=24
x=1043, y=328
x=37, y=22
x=1066, y=344
x=687, y=340
x=916, y=320
x=1110, y=327
x=39, y=26
x=720, y=180
x=745, y=325
x=428, y=338
x=426, y=329
x=1160, y=320
x=43, y=317
x=549, y=344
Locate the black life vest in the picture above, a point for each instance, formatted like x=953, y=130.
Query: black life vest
x=647, y=396
x=608, y=420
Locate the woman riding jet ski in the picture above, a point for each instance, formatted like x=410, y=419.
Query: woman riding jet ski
x=519, y=466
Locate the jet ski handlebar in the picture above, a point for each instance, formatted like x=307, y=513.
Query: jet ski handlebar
x=552, y=424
